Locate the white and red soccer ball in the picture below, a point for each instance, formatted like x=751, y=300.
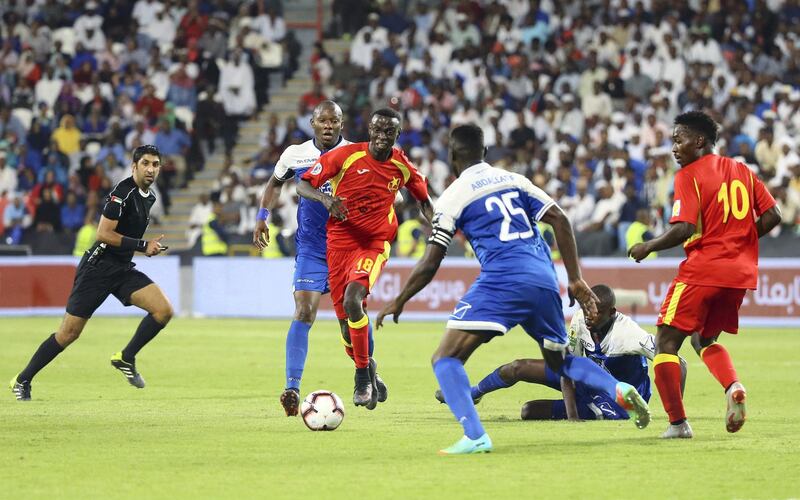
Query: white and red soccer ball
x=322, y=411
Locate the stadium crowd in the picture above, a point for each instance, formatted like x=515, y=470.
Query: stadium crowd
x=578, y=96
x=83, y=83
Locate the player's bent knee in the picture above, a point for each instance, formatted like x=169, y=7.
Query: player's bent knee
x=527, y=411
x=163, y=314
x=512, y=370
x=305, y=313
x=67, y=335
x=353, y=308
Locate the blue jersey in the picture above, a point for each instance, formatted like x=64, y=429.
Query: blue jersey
x=497, y=211
x=312, y=216
x=624, y=350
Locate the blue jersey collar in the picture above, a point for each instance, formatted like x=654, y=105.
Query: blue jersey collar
x=314, y=142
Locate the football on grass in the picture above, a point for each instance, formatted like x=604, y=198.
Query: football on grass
x=322, y=411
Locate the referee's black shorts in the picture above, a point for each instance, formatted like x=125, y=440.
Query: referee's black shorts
x=95, y=281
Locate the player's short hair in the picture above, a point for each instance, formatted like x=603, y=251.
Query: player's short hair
x=467, y=140
x=701, y=123
x=388, y=113
x=145, y=149
x=323, y=105
x=606, y=295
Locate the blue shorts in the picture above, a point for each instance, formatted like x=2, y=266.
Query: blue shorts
x=592, y=405
x=494, y=307
x=310, y=274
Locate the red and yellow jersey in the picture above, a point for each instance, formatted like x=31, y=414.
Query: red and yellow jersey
x=368, y=187
x=722, y=198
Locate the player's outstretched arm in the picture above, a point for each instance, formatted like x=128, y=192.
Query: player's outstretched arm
x=333, y=204
x=768, y=221
x=675, y=235
x=107, y=233
x=565, y=239
x=426, y=207
x=422, y=274
x=268, y=202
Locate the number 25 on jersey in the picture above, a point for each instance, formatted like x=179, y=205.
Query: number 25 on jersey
x=507, y=209
x=734, y=200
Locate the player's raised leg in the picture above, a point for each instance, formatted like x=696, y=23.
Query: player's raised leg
x=152, y=299
x=505, y=376
x=448, y=366
x=69, y=331
x=593, y=376
x=719, y=363
x=306, y=303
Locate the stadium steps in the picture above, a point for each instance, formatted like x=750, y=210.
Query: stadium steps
x=284, y=101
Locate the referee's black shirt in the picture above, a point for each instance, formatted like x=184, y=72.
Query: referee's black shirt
x=131, y=207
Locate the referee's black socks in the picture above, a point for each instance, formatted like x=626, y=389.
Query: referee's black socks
x=148, y=329
x=46, y=352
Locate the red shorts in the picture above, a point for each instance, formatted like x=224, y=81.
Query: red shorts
x=362, y=265
x=707, y=310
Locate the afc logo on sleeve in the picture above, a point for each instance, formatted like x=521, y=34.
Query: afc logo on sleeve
x=317, y=169
x=676, y=208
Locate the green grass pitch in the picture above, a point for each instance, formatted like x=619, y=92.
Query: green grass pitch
x=209, y=423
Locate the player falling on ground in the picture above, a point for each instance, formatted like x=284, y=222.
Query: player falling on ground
x=497, y=211
x=311, y=268
x=613, y=341
x=720, y=211
x=365, y=178
x=106, y=269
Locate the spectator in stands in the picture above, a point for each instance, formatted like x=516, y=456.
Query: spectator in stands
x=310, y=99
x=149, y=104
x=640, y=231
x=269, y=24
x=197, y=218
x=768, y=152
x=237, y=94
x=10, y=125
x=68, y=138
x=173, y=143
x=215, y=238
x=191, y=27
x=86, y=235
x=161, y=29
x=8, y=175
x=48, y=213
x=88, y=30
x=15, y=220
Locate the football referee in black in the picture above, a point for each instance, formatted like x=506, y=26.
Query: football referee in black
x=106, y=269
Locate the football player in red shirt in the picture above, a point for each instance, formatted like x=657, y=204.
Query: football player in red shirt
x=364, y=179
x=720, y=211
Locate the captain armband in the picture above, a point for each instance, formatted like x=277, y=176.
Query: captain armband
x=441, y=237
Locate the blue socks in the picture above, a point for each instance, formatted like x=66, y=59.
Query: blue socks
x=296, y=351
x=454, y=383
x=371, y=342
x=490, y=383
x=588, y=372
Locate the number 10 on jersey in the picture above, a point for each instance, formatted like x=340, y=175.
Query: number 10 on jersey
x=735, y=200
